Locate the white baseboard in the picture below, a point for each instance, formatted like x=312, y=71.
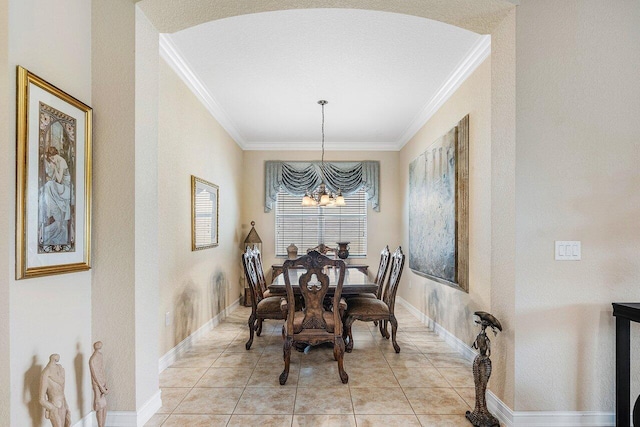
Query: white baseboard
x=498, y=408
x=173, y=354
x=89, y=420
x=563, y=419
x=135, y=418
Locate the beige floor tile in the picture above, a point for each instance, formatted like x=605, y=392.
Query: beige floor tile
x=387, y=421
x=176, y=420
x=232, y=360
x=422, y=336
x=380, y=401
x=434, y=347
x=180, y=377
x=443, y=421
x=171, y=397
x=458, y=377
x=449, y=360
x=436, y=401
x=419, y=377
x=210, y=401
x=364, y=376
x=408, y=360
x=196, y=359
x=269, y=376
x=316, y=400
x=468, y=394
x=260, y=420
x=156, y=420
x=324, y=421
x=225, y=377
x=266, y=400
x=321, y=376
x=245, y=383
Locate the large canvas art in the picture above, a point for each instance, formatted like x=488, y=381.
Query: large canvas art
x=438, y=209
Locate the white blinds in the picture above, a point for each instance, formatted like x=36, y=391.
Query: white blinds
x=307, y=227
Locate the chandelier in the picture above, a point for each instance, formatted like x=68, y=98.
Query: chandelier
x=322, y=196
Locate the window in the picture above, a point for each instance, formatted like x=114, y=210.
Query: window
x=308, y=227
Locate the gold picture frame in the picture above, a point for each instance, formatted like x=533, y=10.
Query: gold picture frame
x=53, y=177
x=205, y=198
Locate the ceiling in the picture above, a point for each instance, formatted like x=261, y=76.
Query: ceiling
x=384, y=74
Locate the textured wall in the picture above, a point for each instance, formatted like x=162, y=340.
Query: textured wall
x=481, y=17
x=452, y=308
x=382, y=227
x=49, y=314
x=578, y=103
x=113, y=92
x=194, y=285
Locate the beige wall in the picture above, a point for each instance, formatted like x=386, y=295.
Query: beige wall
x=6, y=226
x=451, y=308
x=383, y=227
x=578, y=103
x=194, y=286
x=49, y=314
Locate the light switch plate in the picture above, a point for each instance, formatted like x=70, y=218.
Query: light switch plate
x=568, y=250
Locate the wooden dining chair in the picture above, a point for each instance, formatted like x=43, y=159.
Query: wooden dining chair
x=314, y=324
x=382, y=310
x=257, y=259
x=262, y=307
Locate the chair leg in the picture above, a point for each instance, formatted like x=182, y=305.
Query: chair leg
x=259, y=327
x=347, y=326
x=383, y=329
x=386, y=330
x=286, y=349
x=338, y=354
x=394, y=329
x=251, y=322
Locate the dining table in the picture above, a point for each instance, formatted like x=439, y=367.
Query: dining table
x=355, y=283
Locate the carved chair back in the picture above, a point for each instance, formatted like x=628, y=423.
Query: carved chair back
x=248, y=262
x=314, y=291
x=257, y=258
x=382, y=270
x=397, y=263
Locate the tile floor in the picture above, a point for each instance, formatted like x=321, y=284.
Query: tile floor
x=219, y=383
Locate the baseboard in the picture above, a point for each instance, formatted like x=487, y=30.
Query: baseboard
x=135, y=418
x=173, y=354
x=89, y=420
x=563, y=419
x=498, y=408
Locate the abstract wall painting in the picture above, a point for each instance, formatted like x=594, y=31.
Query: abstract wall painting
x=438, y=209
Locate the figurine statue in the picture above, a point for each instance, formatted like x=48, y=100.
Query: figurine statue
x=52, y=393
x=99, y=384
x=481, y=417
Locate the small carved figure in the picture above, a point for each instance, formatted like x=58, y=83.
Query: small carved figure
x=481, y=417
x=99, y=383
x=52, y=393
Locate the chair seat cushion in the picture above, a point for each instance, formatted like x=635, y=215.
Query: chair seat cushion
x=266, y=294
x=298, y=317
x=269, y=305
x=365, y=295
x=365, y=307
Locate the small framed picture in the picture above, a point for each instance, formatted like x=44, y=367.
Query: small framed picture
x=53, y=197
x=204, y=214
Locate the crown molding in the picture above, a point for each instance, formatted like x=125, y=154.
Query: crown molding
x=315, y=146
x=476, y=56
x=170, y=53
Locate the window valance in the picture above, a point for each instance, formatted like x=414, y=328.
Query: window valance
x=298, y=177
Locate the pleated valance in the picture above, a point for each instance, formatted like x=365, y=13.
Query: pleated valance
x=297, y=178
